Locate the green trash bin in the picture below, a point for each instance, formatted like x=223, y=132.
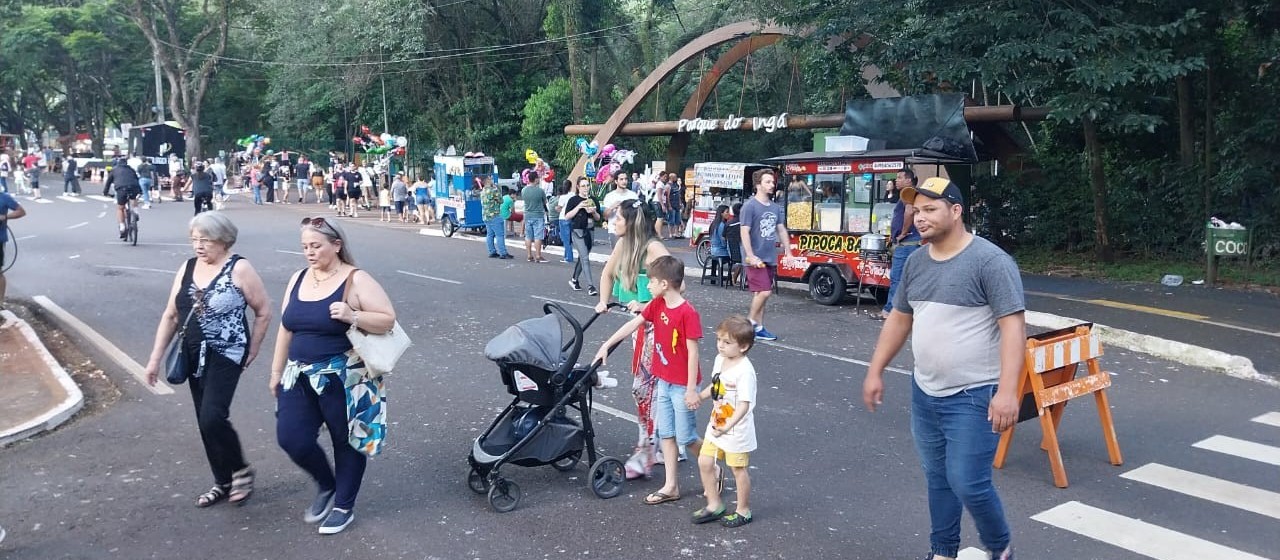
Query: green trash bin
x=1224, y=242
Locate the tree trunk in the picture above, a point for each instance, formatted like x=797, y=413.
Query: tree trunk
x=1098, y=180
x=1208, y=142
x=1186, y=141
x=570, y=9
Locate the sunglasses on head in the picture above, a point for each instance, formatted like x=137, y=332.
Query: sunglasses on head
x=316, y=222
x=717, y=388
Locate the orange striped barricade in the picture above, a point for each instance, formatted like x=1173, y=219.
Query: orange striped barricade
x=1049, y=381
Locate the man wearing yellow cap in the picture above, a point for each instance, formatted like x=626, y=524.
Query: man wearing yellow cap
x=961, y=301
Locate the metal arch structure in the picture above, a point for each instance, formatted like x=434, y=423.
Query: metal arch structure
x=756, y=34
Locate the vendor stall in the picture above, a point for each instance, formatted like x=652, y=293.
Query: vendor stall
x=716, y=183
x=457, y=191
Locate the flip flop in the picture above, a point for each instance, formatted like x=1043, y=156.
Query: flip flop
x=658, y=498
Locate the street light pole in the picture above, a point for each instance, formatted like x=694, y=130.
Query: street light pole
x=155, y=63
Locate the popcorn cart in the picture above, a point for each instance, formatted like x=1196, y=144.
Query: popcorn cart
x=457, y=191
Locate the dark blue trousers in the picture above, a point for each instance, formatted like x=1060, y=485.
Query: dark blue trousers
x=299, y=414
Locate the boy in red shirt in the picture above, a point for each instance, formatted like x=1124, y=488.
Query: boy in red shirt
x=676, y=331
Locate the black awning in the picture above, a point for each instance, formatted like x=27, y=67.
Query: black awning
x=912, y=156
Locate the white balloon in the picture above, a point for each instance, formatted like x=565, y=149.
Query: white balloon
x=402, y=141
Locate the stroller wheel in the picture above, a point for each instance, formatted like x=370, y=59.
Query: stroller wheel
x=607, y=477
x=477, y=483
x=504, y=496
x=568, y=463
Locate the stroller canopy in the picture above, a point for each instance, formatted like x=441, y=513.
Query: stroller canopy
x=532, y=342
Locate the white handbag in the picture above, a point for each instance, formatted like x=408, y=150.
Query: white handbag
x=380, y=352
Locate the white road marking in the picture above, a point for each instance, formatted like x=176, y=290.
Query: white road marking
x=1270, y=419
x=102, y=214
x=1134, y=535
x=111, y=350
x=288, y=252
x=615, y=412
x=1241, y=448
x=25, y=237
x=100, y=198
x=1225, y=492
x=40, y=200
x=138, y=268
x=1158, y=311
x=70, y=198
x=79, y=225
x=445, y=280
x=777, y=344
x=74, y=257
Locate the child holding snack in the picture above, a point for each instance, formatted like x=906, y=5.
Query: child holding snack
x=731, y=433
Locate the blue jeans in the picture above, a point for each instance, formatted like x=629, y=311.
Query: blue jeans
x=895, y=277
x=146, y=190
x=495, y=236
x=956, y=445
x=257, y=194
x=566, y=240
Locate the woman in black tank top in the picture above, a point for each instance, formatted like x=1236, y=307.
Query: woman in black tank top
x=315, y=374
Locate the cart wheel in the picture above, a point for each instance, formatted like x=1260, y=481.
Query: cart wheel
x=703, y=252
x=568, y=463
x=607, y=477
x=477, y=483
x=826, y=285
x=448, y=226
x=881, y=295
x=504, y=496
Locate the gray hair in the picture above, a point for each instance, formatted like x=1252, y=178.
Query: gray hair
x=216, y=225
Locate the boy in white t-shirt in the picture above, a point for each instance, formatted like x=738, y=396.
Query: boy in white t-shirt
x=731, y=433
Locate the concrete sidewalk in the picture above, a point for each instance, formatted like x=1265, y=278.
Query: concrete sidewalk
x=39, y=394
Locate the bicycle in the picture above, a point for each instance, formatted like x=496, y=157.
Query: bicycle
x=131, y=223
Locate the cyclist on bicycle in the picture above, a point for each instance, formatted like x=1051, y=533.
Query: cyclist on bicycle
x=128, y=189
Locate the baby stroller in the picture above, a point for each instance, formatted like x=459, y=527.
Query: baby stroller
x=534, y=430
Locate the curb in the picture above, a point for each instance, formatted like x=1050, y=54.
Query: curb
x=1232, y=365
x=1187, y=354
x=56, y=415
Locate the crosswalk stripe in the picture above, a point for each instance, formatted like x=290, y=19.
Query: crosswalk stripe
x=70, y=198
x=1241, y=448
x=1270, y=419
x=41, y=200
x=1224, y=492
x=100, y=198
x=1134, y=535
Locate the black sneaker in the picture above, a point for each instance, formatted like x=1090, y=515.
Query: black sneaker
x=575, y=285
x=592, y=291
x=319, y=508
x=493, y=255
x=336, y=521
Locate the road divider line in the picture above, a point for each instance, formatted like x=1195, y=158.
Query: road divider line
x=288, y=252
x=25, y=237
x=1134, y=535
x=101, y=198
x=111, y=350
x=1225, y=492
x=1241, y=448
x=70, y=198
x=414, y=274
x=1155, y=311
x=1270, y=419
x=137, y=268
x=615, y=412
x=79, y=225
x=102, y=214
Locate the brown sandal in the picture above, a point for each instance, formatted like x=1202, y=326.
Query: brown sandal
x=241, y=485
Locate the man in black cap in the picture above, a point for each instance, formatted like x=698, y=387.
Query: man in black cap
x=961, y=301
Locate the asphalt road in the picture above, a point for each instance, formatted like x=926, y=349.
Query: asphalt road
x=830, y=479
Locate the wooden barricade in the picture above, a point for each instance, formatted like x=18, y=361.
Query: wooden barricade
x=1049, y=381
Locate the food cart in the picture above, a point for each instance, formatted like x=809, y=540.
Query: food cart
x=457, y=192
x=838, y=218
x=716, y=183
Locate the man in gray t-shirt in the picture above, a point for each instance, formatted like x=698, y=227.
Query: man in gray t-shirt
x=762, y=228
x=535, y=220
x=961, y=301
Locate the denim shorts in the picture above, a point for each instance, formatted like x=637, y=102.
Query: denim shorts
x=535, y=228
x=674, y=419
x=673, y=216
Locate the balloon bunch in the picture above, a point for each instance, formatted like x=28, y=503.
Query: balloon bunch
x=253, y=144
x=540, y=169
x=381, y=144
x=605, y=161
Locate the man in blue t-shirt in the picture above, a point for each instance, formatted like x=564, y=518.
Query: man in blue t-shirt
x=9, y=210
x=762, y=228
x=902, y=236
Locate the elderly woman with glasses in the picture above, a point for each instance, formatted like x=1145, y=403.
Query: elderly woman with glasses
x=211, y=293
x=318, y=379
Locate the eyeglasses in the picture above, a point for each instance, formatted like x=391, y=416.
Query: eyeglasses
x=319, y=223
x=201, y=241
